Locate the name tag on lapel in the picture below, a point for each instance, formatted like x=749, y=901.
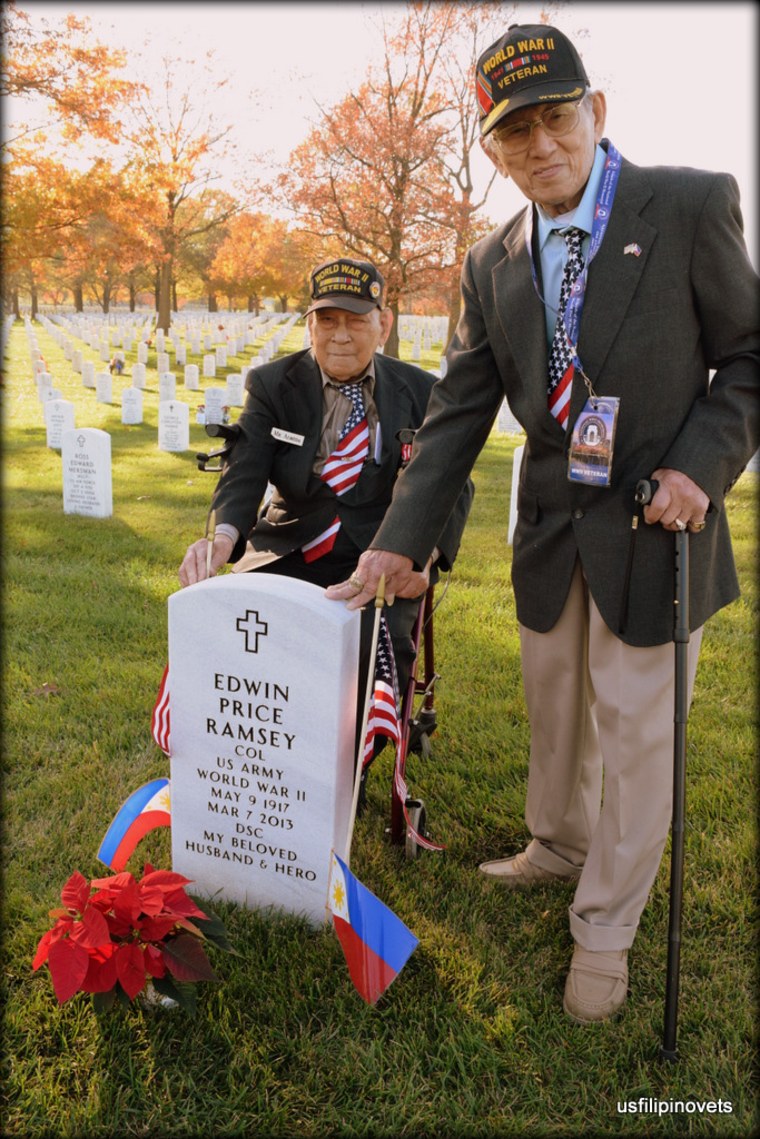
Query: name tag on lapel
x=287, y=437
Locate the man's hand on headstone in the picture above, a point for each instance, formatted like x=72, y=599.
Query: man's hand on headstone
x=401, y=579
x=195, y=562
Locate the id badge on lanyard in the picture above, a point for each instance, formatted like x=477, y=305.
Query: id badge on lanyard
x=593, y=441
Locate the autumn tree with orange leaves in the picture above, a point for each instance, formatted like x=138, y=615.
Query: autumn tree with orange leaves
x=293, y=254
x=166, y=200
x=71, y=89
x=386, y=173
x=174, y=142
x=76, y=80
x=241, y=265
x=262, y=256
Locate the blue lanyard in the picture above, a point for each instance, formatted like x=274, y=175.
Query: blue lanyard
x=602, y=210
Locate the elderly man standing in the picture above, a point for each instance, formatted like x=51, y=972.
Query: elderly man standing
x=322, y=427
x=600, y=312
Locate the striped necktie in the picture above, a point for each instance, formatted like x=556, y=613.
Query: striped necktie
x=560, y=357
x=343, y=467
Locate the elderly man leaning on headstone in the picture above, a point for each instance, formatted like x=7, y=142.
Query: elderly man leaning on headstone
x=322, y=427
x=618, y=307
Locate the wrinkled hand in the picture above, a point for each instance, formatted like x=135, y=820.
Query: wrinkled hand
x=401, y=579
x=678, y=499
x=194, y=564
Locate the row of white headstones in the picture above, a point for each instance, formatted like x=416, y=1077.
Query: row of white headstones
x=101, y=382
x=86, y=456
x=86, y=452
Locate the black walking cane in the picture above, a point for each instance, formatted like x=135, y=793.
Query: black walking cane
x=645, y=491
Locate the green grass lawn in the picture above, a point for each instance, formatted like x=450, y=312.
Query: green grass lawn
x=471, y=1039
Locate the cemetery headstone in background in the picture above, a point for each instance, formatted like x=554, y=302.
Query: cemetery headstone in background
x=173, y=426
x=86, y=459
x=59, y=418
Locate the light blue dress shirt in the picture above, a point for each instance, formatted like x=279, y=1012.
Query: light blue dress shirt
x=552, y=248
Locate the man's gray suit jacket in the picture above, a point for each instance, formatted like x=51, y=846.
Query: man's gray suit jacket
x=655, y=326
x=280, y=430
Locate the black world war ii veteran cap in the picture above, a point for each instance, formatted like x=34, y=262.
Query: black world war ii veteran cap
x=344, y=283
x=532, y=63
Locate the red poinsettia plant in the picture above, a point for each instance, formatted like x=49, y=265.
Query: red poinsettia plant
x=117, y=935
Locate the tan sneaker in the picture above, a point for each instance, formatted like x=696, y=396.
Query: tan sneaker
x=596, y=986
x=520, y=871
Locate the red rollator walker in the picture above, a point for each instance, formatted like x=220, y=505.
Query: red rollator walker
x=408, y=814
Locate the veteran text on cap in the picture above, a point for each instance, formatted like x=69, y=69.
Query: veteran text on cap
x=532, y=63
x=344, y=283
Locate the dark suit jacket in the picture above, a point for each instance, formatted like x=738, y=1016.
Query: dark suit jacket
x=286, y=395
x=653, y=328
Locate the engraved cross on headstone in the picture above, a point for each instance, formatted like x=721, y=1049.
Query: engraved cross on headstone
x=252, y=631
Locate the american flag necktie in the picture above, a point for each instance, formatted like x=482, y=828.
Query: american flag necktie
x=560, y=357
x=342, y=469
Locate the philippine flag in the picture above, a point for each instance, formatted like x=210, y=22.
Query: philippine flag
x=375, y=942
x=145, y=809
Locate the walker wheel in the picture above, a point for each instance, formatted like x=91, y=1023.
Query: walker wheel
x=418, y=819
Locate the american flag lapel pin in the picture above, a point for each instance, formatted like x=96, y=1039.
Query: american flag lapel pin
x=633, y=248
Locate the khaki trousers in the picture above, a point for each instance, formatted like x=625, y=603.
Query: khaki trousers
x=600, y=782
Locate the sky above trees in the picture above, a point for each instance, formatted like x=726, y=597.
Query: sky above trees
x=352, y=122
x=283, y=59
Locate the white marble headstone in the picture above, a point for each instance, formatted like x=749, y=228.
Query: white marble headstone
x=191, y=377
x=59, y=417
x=103, y=387
x=515, y=491
x=138, y=375
x=209, y=365
x=132, y=405
x=88, y=374
x=263, y=677
x=167, y=386
x=506, y=422
x=173, y=426
x=87, y=486
x=235, y=393
x=215, y=400
x=46, y=393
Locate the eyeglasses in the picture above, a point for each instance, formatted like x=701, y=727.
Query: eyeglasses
x=554, y=121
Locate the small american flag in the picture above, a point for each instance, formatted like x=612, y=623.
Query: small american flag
x=160, y=725
x=383, y=718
